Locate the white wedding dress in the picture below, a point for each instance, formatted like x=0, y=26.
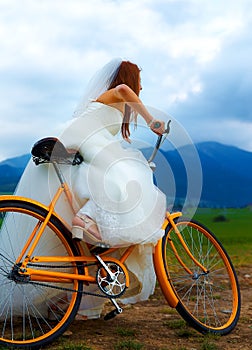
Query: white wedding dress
x=114, y=186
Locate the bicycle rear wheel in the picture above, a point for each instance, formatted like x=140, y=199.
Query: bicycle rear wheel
x=209, y=301
x=34, y=312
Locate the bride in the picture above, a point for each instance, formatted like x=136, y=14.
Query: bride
x=116, y=202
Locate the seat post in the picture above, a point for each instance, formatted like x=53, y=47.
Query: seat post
x=59, y=173
x=64, y=185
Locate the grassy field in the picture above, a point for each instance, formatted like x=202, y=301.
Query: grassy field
x=233, y=227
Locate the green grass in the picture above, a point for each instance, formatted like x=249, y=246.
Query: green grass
x=128, y=345
x=125, y=332
x=175, y=324
x=75, y=347
x=235, y=233
x=209, y=346
x=63, y=344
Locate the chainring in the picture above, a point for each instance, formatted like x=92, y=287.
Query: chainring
x=113, y=285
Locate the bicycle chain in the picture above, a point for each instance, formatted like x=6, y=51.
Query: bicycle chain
x=70, y=290
x=64, y=288
x=62, y=266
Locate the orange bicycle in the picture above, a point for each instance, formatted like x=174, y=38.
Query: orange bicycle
x=194, y=271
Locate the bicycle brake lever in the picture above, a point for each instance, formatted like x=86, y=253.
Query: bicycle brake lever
x=168, y=128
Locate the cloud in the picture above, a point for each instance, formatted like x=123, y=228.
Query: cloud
x=193, y=54
x=221, y=109
x=212, y=98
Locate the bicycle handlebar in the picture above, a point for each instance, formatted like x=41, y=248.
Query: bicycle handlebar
x=158, y=143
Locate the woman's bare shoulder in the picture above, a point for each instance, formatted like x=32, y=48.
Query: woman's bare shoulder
x=109, y=97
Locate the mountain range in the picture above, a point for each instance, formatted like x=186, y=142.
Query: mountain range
x=226, y=174
x=226, y=171
x=11, y=171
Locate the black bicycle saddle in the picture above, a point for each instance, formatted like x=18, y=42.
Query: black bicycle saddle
x=51, y=149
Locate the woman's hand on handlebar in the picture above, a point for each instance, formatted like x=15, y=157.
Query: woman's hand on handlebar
x=157, y=126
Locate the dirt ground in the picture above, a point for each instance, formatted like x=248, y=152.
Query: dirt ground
x=154, y=325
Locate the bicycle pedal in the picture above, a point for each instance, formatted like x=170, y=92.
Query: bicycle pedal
x=112, y=314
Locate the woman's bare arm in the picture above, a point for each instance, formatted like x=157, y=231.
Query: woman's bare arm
x=126, y=94
x=122, y=94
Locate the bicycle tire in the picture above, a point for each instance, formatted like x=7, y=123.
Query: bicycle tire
x=210, y=302
x=33, y=315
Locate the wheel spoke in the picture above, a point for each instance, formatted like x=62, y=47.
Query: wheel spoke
x=202, y=296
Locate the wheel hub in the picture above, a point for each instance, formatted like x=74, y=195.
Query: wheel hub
x=197, y=275
x=14, y=275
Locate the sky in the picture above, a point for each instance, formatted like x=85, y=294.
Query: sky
x=195, y=57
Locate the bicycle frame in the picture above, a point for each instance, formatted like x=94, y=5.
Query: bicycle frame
x=49, y=276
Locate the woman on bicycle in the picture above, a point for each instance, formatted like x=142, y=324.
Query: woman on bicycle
x=114, y=185
x=124, y=207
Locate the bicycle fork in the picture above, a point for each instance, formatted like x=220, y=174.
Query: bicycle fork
x=170, y=219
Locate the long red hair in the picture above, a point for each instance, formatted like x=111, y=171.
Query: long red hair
x=128, y=74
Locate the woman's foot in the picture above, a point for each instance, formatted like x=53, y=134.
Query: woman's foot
x=88, y=224
x=84, y=228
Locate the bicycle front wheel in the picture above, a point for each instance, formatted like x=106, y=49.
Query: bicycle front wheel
x=208, y=300
x=34, y=312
